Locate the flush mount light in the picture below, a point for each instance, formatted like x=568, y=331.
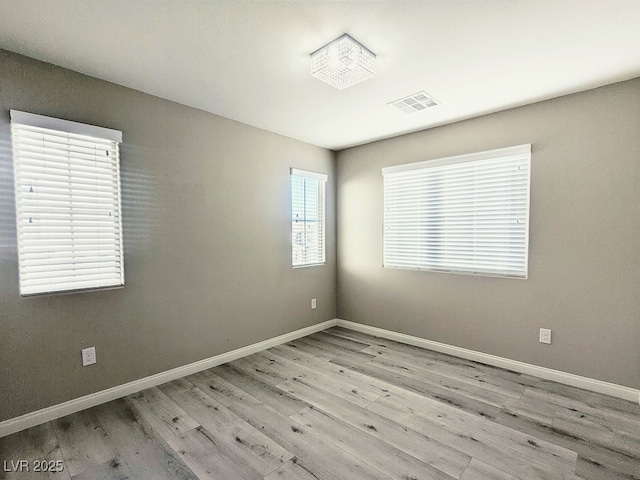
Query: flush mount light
x=343, y=63
x=414, y=103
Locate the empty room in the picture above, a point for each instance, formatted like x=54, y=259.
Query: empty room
x=320, y=239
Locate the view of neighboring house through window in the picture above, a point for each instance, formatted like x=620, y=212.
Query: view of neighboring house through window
x=68, y=212
x=307, y=217
x=465, y=214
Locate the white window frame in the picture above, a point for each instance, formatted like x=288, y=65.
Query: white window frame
x=467, y=214
x=68, y=205
x=308, y=235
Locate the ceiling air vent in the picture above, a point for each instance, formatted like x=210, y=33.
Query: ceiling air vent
x=414, y=103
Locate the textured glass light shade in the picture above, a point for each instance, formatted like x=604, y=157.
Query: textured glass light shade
x=343, y=63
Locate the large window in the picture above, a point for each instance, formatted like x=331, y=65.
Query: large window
x=467, y=214
x=67, y=183
x=307, y=218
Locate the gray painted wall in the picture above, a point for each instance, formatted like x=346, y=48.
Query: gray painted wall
x=206, y=236
x=584, y=245
x=207, y=249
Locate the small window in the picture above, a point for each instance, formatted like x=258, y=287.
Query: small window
x=467, y=214
x=307, y=218
x=67, y=184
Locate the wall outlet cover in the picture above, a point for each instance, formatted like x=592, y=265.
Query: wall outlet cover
x=88, y=356
x=545, y=335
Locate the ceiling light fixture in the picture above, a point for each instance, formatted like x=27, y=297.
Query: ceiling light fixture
x=343, y=63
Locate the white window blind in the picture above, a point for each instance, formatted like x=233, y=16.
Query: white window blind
x=307, y=217
x=466, y=214
x=67, y=183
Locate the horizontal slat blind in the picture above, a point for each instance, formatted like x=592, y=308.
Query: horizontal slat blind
x=307, y=218
x=68, y=209
x=460, y=215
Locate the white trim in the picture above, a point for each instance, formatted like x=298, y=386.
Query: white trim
x=591, y=384
x=68, y=126
x=44, y=415
x=56, y=411
x=524, y=149
x=306, y=173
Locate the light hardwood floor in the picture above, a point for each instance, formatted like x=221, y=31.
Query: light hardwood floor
x=344, y=405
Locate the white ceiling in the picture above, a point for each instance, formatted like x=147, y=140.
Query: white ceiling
x=249, y=60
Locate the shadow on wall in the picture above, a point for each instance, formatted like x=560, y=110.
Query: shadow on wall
x=140, y=202
x=154, y=204
x=139, y=196
x=8, y=238
x=152, y=209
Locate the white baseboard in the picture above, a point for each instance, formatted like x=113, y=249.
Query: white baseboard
x=38, y=417
x=586, y=383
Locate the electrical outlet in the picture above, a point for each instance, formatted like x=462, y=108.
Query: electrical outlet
x=88, y=356
x=545, y=335
x=313, y=304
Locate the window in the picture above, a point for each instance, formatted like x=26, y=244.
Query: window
x=467, y=214
x=67, y=184
x=307, y=217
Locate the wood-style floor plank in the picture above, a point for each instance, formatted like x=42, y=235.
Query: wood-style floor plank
x=541, y=412
x=390, y=460
x=37, y=443
x=144, y=452
x=277, y=399
x=292, y=470
x=166, y=418
x=331, y=350
x=208, y=460
x=344, y=344
x=321, y=457
x=83, y=441
x=606, y=412
x=447, y=416
x=229, y=394
x=359, y=394
x=580, y=425
x=225, y=430
x=441, y=457
x=481, y=471
x=447, y=383
x=431, y=390
x=115, y=469
x=527, y=466
x=452, y=372
x=595, y=461
x=332, y=370
x=337, y=405
x=465, y=368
